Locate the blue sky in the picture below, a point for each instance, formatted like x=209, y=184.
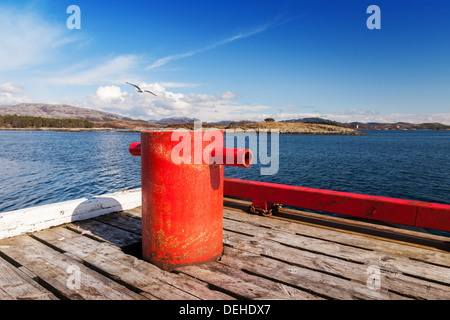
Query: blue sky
x=231, y=60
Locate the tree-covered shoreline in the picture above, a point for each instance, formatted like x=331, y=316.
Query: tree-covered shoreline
x=15, y=121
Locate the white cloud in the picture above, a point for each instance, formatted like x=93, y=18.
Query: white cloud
x=110, y=93
x=9, y=94
x=27, y=39
x=226, y=95
x=168, y=104
x=223, y=106
x=10, y=88
x=8, y=98
x=114, y=70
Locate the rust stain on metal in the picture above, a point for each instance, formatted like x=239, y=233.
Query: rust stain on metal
x=182, y=204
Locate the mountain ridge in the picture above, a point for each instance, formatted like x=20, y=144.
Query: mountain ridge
x=59, y=111
x=65, y=111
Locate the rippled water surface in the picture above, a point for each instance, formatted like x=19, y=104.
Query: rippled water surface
x=39, y=167
x=412, y=165
x=45, y=167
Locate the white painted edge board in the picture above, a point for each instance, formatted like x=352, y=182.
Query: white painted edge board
x=14, y=223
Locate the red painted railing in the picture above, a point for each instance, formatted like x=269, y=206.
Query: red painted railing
x=413, y=213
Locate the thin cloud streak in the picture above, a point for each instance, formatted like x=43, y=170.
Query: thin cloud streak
x=115, y=70
x=259, y=29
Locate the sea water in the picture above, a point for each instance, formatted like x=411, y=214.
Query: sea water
x=43, y=167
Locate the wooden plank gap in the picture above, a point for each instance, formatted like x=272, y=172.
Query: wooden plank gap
x=334, y=241
x=20, y=284
x=46, y=243
x=60, y=295
x=10, y=259
x=238, y=232
x=227, y=293
x=343, y=258
x=253, y=223
x=28, y=273
x=306, y=290
x=119, y=280
x=306, y=267
x=85, y=233
x=111, y=234
x=431, y=263
x=123, y=221
x=117, y=226
x=447, y=284
x=406, y=295
x=74, y=257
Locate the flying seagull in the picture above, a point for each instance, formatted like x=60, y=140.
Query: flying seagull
x=139, y=89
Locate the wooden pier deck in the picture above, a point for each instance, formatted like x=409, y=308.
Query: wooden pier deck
x=264, y=258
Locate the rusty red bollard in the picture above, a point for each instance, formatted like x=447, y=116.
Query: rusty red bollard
x=182, y=203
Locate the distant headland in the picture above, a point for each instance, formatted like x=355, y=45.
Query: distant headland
x=34, y=116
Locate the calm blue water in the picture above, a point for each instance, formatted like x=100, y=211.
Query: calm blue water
x=41, y=167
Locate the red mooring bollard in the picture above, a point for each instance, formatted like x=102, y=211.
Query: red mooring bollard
x=182, y=204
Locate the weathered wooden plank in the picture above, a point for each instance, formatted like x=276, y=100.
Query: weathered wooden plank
x=136, y=212
x=104, y=232
x=393, y=281
x=193, y=286
x=244, y=285
x=123, y=220
x=42, y=217
x=58, y=270
x=16, y=285
x=426, y=255
x=432, y=256
x=277, y=260
x=348, y=238
x=316, y=282
x=4, y=295
x=391, y=231
x=354, y=239
x=392, y=262
x=127, y=269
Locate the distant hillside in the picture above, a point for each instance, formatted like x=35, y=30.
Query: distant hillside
x=103, y=119
x=400, y=126
x=316, y=121
x=310, y=120
x=58, y=111
x=283, y=127
x=373, y=125
x=127, y=125
x=14, y=121
x=175, y=120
